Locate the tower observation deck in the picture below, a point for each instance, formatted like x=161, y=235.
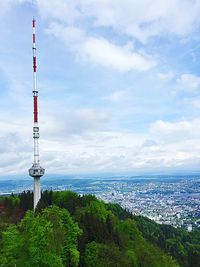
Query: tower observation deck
x=36, y=171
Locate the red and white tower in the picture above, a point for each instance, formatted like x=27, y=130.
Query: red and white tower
x=36, y=171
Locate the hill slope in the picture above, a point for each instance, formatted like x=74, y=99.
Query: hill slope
x=72, y=230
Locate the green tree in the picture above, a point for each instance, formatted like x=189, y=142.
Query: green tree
x=12, y=246
x=99, y=255
x=26, y=200
x=66, y=199
x=146, y=255
x=44, y=239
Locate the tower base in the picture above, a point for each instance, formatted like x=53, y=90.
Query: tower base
x=37, y=192
x=36, y=171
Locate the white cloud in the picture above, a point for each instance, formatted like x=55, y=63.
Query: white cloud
x=98, y=151
x=128, y=16
x=62, y=10
x=177, y=145
x=81, y=145
x=77, y=122
x=71, y=35
x=116, y=96
x=84, y=140
x=75, y=21
x=179, y=17
x=6, y=5
x=176, y=131
x=189, y=82
x=100, y=51
x=196, y=103
x=166, y=76
x=15, y=147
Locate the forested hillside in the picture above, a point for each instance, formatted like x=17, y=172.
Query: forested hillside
x=72, y=230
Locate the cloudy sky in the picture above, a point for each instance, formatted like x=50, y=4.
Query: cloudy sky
x=119, y=85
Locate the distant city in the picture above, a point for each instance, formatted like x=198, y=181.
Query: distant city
x=173, y=200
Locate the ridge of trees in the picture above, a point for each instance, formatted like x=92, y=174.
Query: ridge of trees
x=72, y=230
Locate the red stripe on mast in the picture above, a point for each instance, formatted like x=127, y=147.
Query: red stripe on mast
x=34, y=64
x=34, y=38
x=35, y=109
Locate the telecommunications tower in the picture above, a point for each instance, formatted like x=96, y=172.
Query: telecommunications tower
x=36, y=171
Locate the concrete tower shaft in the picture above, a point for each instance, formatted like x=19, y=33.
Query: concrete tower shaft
x=36, y=171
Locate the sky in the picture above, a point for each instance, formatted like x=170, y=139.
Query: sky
x=118, y=81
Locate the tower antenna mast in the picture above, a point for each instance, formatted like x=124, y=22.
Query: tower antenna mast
x=36, y=171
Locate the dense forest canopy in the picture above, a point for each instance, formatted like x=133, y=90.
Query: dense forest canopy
x=72, y=230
